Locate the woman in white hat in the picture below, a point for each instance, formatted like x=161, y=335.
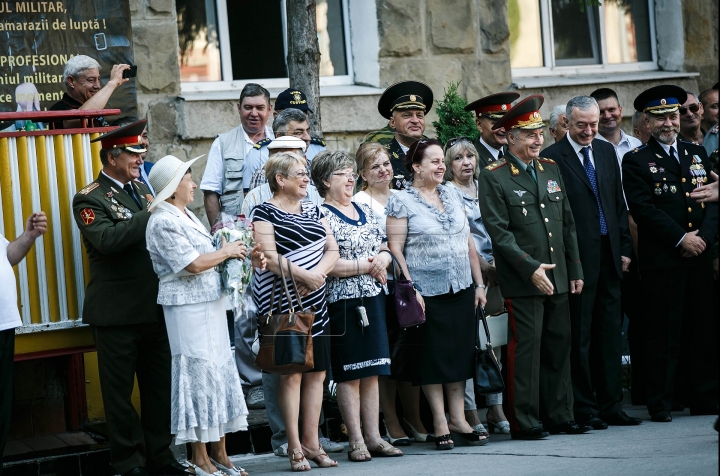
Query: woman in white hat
x=207, y=399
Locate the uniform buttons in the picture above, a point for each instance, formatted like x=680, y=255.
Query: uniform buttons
x=689, y=209
x=547, y=220
x=542, y=205
x=550, y=235
x=522, y=203
x=557, y=198
x=683, y=180
x=664, y=179
x=551, y=249
x=687, y=194
x=690, y=225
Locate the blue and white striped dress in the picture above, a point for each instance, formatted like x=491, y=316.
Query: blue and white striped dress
x=301, y=239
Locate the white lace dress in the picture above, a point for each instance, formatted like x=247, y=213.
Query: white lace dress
x=207, y=397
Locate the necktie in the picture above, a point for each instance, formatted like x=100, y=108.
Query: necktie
x=129, y=190
x=672, y=153
x=500, y=154
x=590, y=171
x=531, y=171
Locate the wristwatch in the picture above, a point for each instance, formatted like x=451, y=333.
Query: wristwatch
x=481, y=286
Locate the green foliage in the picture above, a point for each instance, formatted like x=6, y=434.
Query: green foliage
x=454, y=121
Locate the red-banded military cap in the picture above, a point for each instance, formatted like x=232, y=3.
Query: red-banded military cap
x=127, y=137
x=494, y=106
x=525, y=115
x=405, y=95
x=662, y=99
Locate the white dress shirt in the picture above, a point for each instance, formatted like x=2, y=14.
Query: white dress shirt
x=578, y=151
x=626, y=144
x=495, y=152
x=666, y=148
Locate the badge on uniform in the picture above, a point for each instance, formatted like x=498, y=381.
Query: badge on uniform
x=514, y=170
x=697, y=171
x=673, y=189
x=658, y=190
x=524, y=212
x=553, y=187
x=87, y=215
x=520, y=192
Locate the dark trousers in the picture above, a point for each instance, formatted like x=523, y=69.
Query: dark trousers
x=596, y=353
x=680, y=336
x=7, y=354
x=538, y=361
x=124, y=352
x=633, y=309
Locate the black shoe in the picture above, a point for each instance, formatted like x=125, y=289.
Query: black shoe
x=534, y=433
x=594, y=422
x=621, y=419
x=139, y=471
x=717, y=425
x=569, y=427
x=677, y=407
x=173, y=469
x=661, y=417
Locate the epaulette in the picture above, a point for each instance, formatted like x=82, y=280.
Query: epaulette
x=89, y=188
x=263, y=142
x=548, y=161
x=495, y=165
x=687, y=142
x=636, y=149
x=316, y=141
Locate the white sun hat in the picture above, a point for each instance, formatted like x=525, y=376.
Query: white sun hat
x=287, y=142
x=165, y=176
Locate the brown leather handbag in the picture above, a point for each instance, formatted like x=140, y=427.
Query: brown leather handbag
x=286, y=345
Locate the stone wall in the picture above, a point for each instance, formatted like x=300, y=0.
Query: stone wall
x=700, y=25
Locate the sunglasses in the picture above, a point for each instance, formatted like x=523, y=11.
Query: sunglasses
x=693, y=108
x=455, y=140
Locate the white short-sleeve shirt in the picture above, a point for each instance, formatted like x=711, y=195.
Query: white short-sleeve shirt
x=9, y=314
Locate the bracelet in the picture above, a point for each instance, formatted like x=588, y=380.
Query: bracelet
x=480, y=286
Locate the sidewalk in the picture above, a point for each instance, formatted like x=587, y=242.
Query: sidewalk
x=687, y=446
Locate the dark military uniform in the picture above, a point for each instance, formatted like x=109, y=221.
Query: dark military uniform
x=121, y=308
x=678, y=289
x=530, y=224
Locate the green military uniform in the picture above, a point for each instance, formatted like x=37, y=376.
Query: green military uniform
x=121, y=307
x=531, y=223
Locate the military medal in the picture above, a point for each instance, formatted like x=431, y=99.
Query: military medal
x=661, y=170
x=653, y=170
x=697, y=170
x=552, y=186
x=524, y=212
x=673, y=189
x=665, y=188
x=658, y=190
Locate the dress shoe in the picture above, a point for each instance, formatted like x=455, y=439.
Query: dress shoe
x=173, y=469
x=661, y=417
x=621, y=419
x=594, y=422
x=534, y=433
x=139, y=471
x=569, y=427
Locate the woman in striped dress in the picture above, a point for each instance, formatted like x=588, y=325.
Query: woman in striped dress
x=297, y=231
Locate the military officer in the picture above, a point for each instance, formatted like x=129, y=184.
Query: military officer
x=121, y=307
x=675, y=263
x=535, y=248
x=405, y=105
x=492, y=142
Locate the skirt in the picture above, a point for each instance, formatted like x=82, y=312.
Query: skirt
x=445, y=350
x=207, y=398
x=357, y=352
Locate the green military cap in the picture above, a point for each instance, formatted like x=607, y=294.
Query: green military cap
x=128, y=137
x=405, y=95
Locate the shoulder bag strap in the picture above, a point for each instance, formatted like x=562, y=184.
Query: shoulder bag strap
x=481, y=315
x=395, y=262
x=291, y=308
x=294, y=284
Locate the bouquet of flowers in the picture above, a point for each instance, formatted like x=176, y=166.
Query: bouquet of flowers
x=235, y=273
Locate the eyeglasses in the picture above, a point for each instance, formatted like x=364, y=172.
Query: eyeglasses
x=693, y=108
x=349, y=175
x=300, y=175
x=454, y=141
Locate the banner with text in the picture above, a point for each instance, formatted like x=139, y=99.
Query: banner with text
x=38, y=37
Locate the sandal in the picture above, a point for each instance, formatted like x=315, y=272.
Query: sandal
x=502, y=427
x=385, y=450
x=298, y=461
x=442, y=442
x=319, y=457
x=474, y=438
x=358, y=450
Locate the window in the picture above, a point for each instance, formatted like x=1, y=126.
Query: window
x=557, y=36
x=230, y=42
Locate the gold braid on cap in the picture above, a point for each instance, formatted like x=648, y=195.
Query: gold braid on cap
x=662, y=109
x=408, y=105
x=535, y=121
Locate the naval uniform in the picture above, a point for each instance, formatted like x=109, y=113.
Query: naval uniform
x=128, y=327
x=531, y=223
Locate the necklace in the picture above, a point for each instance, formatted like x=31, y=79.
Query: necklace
x=281, y=206
x=433, y=200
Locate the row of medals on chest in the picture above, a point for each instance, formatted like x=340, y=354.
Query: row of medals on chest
x=697, y=171
x=118, y=209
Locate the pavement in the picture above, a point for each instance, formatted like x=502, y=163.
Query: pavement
x=687, y=446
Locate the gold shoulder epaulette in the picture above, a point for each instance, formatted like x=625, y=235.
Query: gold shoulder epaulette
x=263, y=142
x=496, y=165
x=543, y=159
x=316, y=141
x=89, y=188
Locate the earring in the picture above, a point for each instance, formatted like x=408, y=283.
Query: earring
x=172, y=196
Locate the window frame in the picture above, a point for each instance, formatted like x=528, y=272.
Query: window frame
x=546, y=27
x=268, y=83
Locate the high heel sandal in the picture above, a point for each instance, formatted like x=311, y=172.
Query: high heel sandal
x=298, y=464
x=420, y=437
x=357, y=450
x=319, y=457
x=444, y=446
x=402, y=441
x=502, y=427
x=475, y=438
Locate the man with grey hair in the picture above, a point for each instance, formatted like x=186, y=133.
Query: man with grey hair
x=610, y=120
x=84, y=89
x=691, y=116
x=591, y=173
x=289, y=122
x=641, y=129
x=223, y=178
x=556, y=124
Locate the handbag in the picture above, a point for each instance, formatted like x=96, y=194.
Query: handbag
x=487, y=370
x=408, y=310
x=286, y=345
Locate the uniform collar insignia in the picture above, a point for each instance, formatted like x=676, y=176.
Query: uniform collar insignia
x=514, y=170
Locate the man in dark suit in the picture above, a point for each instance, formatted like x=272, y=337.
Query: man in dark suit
x=532, y=229
x=675, y=262
x=593, y=186
x=492, y=142
x=121, y=308
x=405, y=105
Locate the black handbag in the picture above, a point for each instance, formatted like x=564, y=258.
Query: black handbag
x=487, y=370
